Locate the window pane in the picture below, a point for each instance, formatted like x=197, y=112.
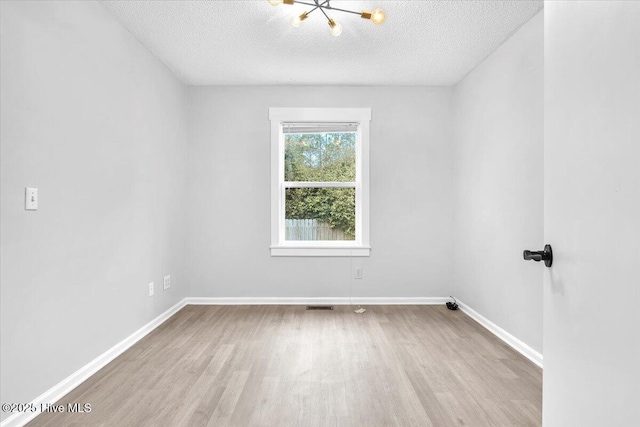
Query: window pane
x=320, y=214
x=329, y=156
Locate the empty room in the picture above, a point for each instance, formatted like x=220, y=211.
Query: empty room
x=320, y=213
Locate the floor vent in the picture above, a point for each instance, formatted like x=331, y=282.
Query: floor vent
x=319, y=307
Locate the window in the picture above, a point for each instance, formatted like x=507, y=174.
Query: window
x=320, y=181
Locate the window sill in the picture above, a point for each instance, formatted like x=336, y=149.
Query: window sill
x=341, y=251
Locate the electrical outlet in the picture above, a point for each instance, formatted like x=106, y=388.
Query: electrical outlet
x=167, y=282
x=357, y=273
x=151, y=289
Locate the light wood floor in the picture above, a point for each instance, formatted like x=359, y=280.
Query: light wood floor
x=284, y=366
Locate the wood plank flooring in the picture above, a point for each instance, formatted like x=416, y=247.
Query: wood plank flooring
x=285, y=366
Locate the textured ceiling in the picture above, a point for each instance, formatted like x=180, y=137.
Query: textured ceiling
x=253, y=43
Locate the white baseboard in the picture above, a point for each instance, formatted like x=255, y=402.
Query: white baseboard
x=505, y=336
x=318, y=301
x=58, y=391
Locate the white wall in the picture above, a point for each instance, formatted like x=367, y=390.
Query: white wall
x=94, y=121
x=229, y=208
x=498, y=185
x=592, y=214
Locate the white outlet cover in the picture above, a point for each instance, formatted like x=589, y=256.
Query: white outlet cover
x=151, y=289
x=167, y=282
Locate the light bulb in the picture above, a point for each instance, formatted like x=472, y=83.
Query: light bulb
x=296, y=21
x=336, y=29
x=378, y=16
x=275, y=2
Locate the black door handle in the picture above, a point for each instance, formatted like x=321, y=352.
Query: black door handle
x=546, y=255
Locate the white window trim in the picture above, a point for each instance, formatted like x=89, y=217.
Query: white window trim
x=359, y=247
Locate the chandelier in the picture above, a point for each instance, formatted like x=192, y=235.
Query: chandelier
x=377, y=16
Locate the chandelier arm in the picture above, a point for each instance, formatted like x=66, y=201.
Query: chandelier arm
x=308, y=4
x=325, y=5
x=324, y=13
x=317, y=7
x=340, y=10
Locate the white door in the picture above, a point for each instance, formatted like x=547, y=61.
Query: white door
x=592, y=214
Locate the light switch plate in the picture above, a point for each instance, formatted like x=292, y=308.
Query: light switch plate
x=30, y=199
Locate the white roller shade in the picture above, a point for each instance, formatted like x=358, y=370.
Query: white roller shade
x=324, y=127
